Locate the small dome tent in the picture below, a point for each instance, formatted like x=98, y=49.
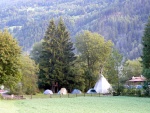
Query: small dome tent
x=47, y=92
x=76, y=91
x=91, y=91
x=63, y=91
x=102, y=85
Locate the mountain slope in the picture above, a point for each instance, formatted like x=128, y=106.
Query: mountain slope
x=121, y=21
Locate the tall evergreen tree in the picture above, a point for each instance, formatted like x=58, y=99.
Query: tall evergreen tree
x=146, y=51
x=65, y=54
x=57, y=56
x=146, y=57
x=46, y=56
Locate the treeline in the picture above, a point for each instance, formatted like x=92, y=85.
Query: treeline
x=55, y=63
x=95, y=56
x=59, y=65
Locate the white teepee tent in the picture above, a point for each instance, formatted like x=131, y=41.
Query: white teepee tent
x=102, y=86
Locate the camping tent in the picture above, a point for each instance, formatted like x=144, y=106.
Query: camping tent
x=47, y=92
x=102, y=85
x=76, y=91
x=63, y=91
x=91, y=91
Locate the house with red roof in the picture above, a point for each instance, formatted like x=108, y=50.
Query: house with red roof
x=136, y=81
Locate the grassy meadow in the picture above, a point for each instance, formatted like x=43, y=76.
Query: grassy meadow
x=87, y=104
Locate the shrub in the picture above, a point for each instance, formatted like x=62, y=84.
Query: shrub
x=146, y=88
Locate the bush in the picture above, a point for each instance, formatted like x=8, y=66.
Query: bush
x=139, y=93
x=133, y=92
x=118, y=90
x=146, y=88
x=125, y=92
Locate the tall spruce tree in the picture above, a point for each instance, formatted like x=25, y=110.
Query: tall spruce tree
x=146, y=51
x=45, y=63
x=65, y=54
x=57, y=56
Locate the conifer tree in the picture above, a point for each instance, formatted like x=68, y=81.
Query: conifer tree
x=57, y=56
x=65, y=54
x=146, y=51
x=46, y=56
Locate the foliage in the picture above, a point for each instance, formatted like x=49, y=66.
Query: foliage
x=10, y=52
x=76, y=78
x=36, y=50
x=132, y=68
x=46, y=64
x=113, y=66
x=57, y=57
x=146, y=51
x=117, y=90
x=146, y=87
x=29, y=71
x=94, y=51
x=133, y=92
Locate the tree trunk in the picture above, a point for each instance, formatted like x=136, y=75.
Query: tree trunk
x=101, y=70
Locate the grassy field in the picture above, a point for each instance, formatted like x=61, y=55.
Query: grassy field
x=88, y=104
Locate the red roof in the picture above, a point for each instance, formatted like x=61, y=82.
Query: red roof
x=138, y=79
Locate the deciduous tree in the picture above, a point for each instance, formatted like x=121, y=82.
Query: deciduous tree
x=113, y=67
x=10, y=52
x=29, y=75
x=95, y=52
x=132, y=68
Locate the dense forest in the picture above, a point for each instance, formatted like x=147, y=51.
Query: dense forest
x=121, y=21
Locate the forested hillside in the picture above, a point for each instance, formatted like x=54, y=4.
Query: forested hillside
x=121, y=21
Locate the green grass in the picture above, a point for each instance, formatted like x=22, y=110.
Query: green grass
x=87, y=104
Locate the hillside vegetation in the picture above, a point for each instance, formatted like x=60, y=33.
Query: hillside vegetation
x=121, y=21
